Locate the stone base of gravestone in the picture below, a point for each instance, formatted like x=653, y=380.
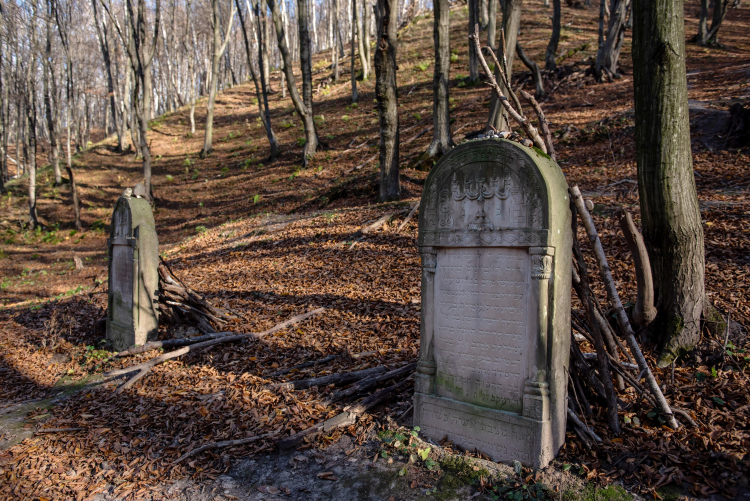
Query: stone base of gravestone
x=495, y=241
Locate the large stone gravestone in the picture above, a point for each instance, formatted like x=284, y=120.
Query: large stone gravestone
x=132, y=315
x=495, y=241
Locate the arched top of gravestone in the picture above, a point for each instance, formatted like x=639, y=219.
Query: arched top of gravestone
x=129, y=213
x=492, y=192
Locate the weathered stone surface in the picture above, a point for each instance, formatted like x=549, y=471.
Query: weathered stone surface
x=132, y=314
x=495, y=240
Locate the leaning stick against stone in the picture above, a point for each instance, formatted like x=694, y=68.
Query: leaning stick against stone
x=622, y=318
x=543, y=124
x=522, y=121
x=346, y=418
x=145, y=367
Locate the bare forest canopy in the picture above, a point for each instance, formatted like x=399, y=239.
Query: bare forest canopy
x=97, y=96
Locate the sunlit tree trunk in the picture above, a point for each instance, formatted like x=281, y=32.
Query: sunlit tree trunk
x=355, y=97
x=549, y=58
x=50, y=97
x=511, y=23
x=386, y=91
x=442, y=141
x=669, y=203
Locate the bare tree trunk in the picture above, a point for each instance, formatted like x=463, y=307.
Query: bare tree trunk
x=511, y=23
x=720, y=11
x=355, y=97
x=50, y=95
x=386, y=91
x=669, y=203
x=549, y=58
x=442, y=141
x=607, y=57
x=102, y=34
x=367, y=18
x=192, y=55
x=3, y=113
x=359, y=23
x=483, y=14
x=305, y=113
x=473, y=60
x=220, y=46
x=266, y=23
x=336, y=41
x=702, y=35
x=260, y=90
x=536, y=74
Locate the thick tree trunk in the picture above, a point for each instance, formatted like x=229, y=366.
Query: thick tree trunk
x=305, y=113
x=607, y=57
x=549, y=58
x=511, y=23
x=473, y=59
x=669, y=203
x=387, y=95
x=442, y=141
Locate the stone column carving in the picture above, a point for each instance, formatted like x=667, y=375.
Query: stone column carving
x=536, y=389
x=426, y=367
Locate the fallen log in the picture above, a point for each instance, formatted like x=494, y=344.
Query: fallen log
x=367, y=383
x=145, y=367
x=347, y=417
x=342, y=378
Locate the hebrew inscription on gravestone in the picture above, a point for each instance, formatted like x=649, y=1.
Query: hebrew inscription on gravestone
x=495, y=242
x=132, y=313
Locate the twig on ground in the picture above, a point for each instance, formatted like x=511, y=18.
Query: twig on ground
x=57, y=430
x=408, y=218
x=220, y=445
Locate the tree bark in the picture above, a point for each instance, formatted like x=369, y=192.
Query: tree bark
x=473, y=20
x=550, y=56
x=336, y=41
x=102, y=33
x=609, y=54
x=536, y=74
x=50, y=97
x=305, y=113
x=219, y=48
x=355, y=96
x=702, y=35
x=720, y=11
x=669, y=202
x=511, y=23
x=359, y=23
x=387, y=95
x=442, y=140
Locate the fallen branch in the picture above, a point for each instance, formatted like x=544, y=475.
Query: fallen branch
x=408, y=218
x=644, y=312
x=311, y=363
x=220, y=445
x=367, y=383
x=341, y=378
x=543, y=124
x=346, y=418
x=145, y=367
x=622, y=318
x=580, y=424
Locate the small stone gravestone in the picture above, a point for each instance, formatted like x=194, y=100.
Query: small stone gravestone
x=132, y=314
x=495, y=241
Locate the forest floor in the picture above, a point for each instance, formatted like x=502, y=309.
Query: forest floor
x=271, y=240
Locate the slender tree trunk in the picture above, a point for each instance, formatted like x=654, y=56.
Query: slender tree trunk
x=305, y=53
x=30, y=96
x=669, y=203
x=336, y=41
x=220, y=46
x=607, y=57
x=550, y=56
x=720, y=11
x=386, y=91
x=536, y=74
x=260, y=90
x=484, y=14
x=305, y=113
x=102, y=33
x=74, y=198
x=367, y=13
x=511, y=22
x=49, y=97
x=266, y=23
x=359, y=23
x=442, y=141
x=473, y=58
x=3, y=113
x=355, y=97
x=702, y=35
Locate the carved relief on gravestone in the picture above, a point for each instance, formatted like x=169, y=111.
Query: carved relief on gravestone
x=132, y=314
x=495, y=240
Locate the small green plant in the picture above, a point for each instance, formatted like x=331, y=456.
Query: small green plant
x=301, y=141
x=200, y=229
x=345, y=118
x=422, y=66
x=98, y=226
x=225, y=169
x=454, y=58
x=320, y=118
x=169, y=178
x=416, y=116
x=287, y=125
x=256, y=199
x=195, y=175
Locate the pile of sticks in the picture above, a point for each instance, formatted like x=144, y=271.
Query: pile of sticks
x=180, y=304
